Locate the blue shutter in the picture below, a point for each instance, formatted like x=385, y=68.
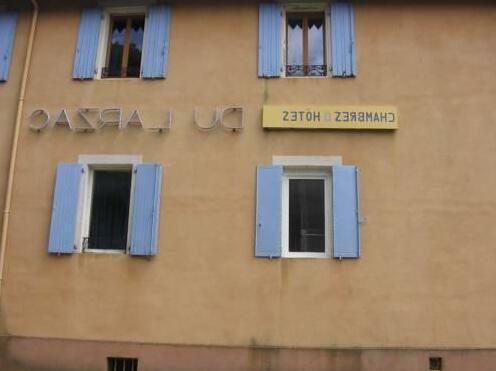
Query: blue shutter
x=269, y=40
x=269, y=208
x=8, y=21
x=87, y=44
x=342, y=39
x=146, y=207
x=345, y=212
x=156, y=42
x=65, y=208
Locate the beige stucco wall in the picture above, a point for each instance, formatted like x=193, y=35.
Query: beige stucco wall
x=428, y=192
x=9, y=93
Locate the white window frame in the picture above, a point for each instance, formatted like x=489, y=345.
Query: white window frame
x=318, y=173
x=306, y=167
x=310, y=8
x=102, y=162
x=105, y=34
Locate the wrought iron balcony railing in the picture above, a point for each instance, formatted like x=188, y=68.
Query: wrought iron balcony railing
x=306, y=70
x=130, y=71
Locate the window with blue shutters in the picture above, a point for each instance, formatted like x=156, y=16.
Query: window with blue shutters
x=127, y=42
x=8, y=21
x=306, y=39
x=106, y=204
x=307, y=212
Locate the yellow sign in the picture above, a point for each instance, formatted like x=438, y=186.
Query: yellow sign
x=330, y=117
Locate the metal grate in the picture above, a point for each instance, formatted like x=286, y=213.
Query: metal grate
x=122, y=364
x=304, y=70
x=435, y=363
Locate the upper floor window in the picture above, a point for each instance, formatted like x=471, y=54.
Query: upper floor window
x=306, y=39
x=123, y=42
x=305, y=44
x=125, y=46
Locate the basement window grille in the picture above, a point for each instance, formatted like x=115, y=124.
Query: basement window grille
x=122, y=364
x=435, y=363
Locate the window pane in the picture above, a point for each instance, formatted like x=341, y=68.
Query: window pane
x=117, y=37
x=135, y=46
x=110, y=210
x=295, y=41
x=306, y=215
x=316, y=40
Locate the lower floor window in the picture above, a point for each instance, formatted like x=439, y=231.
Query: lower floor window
x=109, y=216
x=307, y=207
x=106, y=203
x=306, y=213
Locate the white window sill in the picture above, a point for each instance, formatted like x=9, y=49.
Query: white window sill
x=305, y=77
x=306, y=256
x=102, y=251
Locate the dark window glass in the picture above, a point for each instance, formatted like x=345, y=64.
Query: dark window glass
x=117, y=39
x=305, y=51
x=135, y=47
x=125, y=47
x=306, y=215
x=110, y=210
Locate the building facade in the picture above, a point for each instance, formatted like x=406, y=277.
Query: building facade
x=185, y=191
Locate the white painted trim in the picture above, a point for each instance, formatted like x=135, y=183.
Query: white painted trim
x=325, y=175
x=307, y=161
x=125, y=3
x=110, y=159
x=100, y=162
x=102, y=45
x=125, y=10
x=327, y=41
x=283, y=43
x=302, y=7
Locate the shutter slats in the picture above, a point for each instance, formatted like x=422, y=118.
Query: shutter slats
x=345, y=206
x=8, y=22
x=156, y=42
x=146, y=208
x=269, y=40
x=342, y=39
x=87, y=44
x=269, y=209
x=65, y=208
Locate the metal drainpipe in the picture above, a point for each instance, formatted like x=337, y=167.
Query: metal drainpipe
x=15, y=140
